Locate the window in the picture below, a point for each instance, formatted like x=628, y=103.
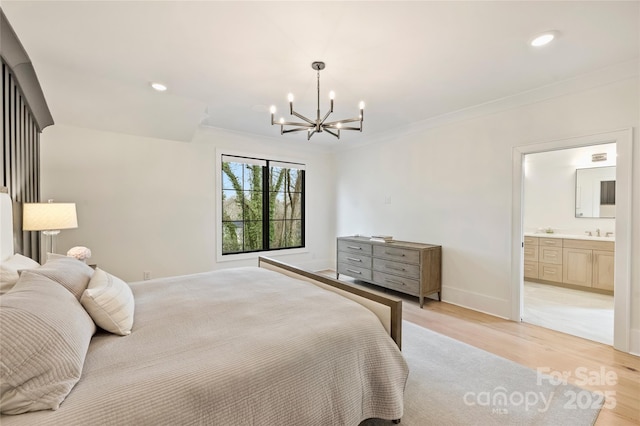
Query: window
x=262, y=205
x=607, y=192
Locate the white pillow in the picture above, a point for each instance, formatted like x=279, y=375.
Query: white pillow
x=109, y=301
x=9, y=270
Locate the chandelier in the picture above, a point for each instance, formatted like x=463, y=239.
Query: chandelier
x=318, y=125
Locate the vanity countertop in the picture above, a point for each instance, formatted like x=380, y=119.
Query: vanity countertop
x=568, y=236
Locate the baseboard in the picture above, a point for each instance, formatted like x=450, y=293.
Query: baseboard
x=477, y=302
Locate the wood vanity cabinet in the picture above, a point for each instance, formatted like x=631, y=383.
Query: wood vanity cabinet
x=575, y=262
x=589, y=263
x=411, y=268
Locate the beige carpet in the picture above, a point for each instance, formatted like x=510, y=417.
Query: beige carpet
x=452, y=383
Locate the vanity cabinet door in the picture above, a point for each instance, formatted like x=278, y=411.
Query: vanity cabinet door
x=603, y=266
x=577, y=266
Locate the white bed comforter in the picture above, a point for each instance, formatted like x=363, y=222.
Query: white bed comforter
x=243, y=346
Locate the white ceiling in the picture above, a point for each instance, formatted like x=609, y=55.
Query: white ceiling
x=225, y=63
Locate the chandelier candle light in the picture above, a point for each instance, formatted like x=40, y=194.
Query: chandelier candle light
x=319, y=124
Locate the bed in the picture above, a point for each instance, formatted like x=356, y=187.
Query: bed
x=270, y=344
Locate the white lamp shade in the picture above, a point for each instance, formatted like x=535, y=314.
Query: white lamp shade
x=49, y=216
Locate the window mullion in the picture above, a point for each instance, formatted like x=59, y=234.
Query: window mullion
x=266, y=238
x=302, y=208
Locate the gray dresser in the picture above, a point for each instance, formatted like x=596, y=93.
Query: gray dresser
x=411, y=268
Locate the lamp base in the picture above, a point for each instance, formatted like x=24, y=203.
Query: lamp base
x=51, y=240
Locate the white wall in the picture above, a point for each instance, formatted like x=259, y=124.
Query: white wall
x=150, y=205
x=451, y=185
x=550, y=190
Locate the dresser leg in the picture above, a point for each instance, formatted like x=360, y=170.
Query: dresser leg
x=421, y=301
x=439, y=298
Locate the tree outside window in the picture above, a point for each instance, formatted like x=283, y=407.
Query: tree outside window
x=262, y=205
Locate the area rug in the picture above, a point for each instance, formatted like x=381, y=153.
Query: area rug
x=452, y=383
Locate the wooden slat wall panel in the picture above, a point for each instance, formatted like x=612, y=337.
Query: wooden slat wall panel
x=20, y=167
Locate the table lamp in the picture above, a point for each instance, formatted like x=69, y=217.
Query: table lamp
x=49, y=218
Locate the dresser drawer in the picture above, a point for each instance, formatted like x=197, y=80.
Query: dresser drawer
x=402, y=284
x=550, y=255
x=531, y=240
x=396, y=268
x=387, y=251
x=356, y=259
x=355, y=271
x=550, y=242
x=354, y=247
x=550, y=272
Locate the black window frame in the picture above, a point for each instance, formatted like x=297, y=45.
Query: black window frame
x=266, y=170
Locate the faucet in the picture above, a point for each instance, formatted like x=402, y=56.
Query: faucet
x=588, y=233
x=598, y=232
x=608, y=234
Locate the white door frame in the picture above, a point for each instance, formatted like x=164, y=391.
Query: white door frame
x=622, y=282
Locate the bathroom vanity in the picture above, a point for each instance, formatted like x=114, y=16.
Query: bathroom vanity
x=586, y=263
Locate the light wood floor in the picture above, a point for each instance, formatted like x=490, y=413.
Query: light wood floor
x=537, y=347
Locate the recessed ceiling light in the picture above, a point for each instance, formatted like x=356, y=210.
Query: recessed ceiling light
x=543, y=39
x=159, y=87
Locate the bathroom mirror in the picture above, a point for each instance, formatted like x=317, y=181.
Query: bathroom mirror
x=596, y=192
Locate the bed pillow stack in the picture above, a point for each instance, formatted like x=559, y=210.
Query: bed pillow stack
x=44, y=337
x=46, y=323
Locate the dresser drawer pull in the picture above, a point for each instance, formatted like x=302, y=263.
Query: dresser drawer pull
x=353, y=259
x=393, y=268
x=355, y=272
x=354, y=248
x=394, y=281
x=394, y=254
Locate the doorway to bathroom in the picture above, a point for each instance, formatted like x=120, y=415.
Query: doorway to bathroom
x=569, y=240
x=570, y=257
